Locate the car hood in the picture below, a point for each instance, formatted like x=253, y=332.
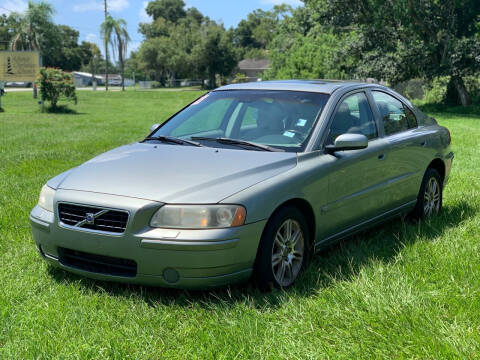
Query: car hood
x=176, y=174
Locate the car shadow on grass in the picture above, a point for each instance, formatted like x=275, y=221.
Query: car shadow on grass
x=339, y=262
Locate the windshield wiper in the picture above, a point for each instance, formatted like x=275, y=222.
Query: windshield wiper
x=174, y=140
x=229, y=141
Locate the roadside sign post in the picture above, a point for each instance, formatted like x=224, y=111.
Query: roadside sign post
x=2, y=91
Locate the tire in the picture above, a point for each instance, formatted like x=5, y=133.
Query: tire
x=283, y=250
x=430, y=196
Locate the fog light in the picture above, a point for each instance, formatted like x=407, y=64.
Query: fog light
x=171, y=275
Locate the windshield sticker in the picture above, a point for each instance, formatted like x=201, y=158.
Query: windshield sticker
x=301, y=122
x=289, y=134
x=200, y=100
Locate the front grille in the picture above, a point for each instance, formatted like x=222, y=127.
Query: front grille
x=98, y=263
x=93, y=218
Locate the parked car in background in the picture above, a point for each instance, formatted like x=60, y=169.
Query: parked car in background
x=20, y=84
x=249, y=179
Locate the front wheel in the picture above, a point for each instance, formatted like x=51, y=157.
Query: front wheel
x=283, y=249
x=430, y=197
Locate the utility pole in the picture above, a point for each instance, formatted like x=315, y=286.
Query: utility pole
x=106, y=50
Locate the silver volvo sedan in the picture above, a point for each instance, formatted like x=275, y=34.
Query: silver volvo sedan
x=250, y=179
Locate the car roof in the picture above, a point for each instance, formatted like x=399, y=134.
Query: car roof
x=319, y=86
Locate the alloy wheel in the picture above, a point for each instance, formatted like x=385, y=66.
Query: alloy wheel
x=431, y=203
x=288, y=252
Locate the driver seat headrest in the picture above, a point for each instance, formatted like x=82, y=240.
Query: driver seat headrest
x=270, y=117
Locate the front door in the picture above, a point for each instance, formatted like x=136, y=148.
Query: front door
x=357, y=178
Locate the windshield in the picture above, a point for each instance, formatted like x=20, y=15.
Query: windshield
x=280, y=119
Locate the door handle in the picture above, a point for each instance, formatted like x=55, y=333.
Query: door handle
x=381, y=157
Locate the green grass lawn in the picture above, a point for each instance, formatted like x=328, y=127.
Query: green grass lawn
x=398, y=291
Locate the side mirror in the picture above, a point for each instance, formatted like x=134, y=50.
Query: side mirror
x=348, y=142
x=154, y=127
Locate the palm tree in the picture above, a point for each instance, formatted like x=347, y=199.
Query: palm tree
x=34, y=24
x=96, y=55
x=115, y=33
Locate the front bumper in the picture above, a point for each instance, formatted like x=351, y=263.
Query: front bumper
x=169, y=258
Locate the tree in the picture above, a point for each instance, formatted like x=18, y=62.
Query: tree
x=35, y=25
x=133, y=67
x=254, y=34
x=166, y=15
x=93, y=54
x=106, y=41
x=169, y=10
x=183, y=43
x=402, y=39
x=306, y=57
x=115, y=33
x=155, y=54
x=34, y=30
x=60, y=49
x=194, y=15
x=8, y=28
x=304, y=48
x=214, y=53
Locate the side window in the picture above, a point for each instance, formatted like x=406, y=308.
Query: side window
x=208, y=119
x=353, y=116
x=411, y=119
x=396, y=117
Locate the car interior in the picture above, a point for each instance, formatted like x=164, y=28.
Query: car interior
x=353, y=116
x=264, y=121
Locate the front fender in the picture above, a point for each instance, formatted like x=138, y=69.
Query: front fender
x=308, y=181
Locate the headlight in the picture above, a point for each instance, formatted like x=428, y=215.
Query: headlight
x=199, y=216
x=46, y=198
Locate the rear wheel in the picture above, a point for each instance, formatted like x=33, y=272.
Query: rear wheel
x=283, y=249
x=430, y=197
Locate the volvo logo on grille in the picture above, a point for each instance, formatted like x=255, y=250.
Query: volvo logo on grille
x=90, y=218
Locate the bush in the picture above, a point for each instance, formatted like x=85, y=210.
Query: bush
x=240, y=78
x=155, y=84
x=472, y=84
x=436, y=91
x=412, y=89
x=56, y=84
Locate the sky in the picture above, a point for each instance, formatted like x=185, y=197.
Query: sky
x=86, y=15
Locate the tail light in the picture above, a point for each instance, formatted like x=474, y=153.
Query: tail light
x=449, y=136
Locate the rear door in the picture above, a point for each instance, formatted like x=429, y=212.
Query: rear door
x=406, y=158
x=357, y=178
